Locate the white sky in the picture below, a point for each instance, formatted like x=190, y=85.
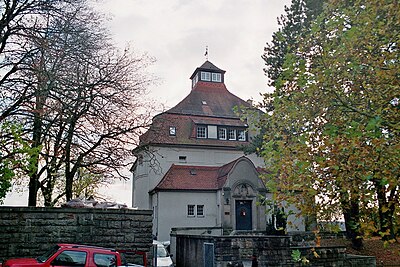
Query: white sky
x=176, y=33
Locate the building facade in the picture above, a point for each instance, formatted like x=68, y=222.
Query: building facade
x=191, y=169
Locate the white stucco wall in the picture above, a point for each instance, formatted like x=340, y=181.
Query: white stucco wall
x=150, y=172
x=171, y=211
x=154, y=167
x=140, y=187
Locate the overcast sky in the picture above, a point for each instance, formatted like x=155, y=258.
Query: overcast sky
x=176, y=33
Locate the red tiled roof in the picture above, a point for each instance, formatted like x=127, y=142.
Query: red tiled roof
x=218, y=121
x=185, y=177
x=181, y=177
x=185, y=130
x=209, y=99
x=208, y=103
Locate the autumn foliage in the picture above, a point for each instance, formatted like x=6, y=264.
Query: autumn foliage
x=333, y=123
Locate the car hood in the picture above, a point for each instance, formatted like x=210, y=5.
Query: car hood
x=22, y=262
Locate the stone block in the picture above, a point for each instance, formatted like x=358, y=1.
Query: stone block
x=33, y=230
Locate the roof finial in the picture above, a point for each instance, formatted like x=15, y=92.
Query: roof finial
x=206, y=53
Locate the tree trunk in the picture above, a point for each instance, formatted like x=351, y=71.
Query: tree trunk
x=47, y=190
x=351, y=212
x=385, y=210
x=33, y=189
x=34, y=161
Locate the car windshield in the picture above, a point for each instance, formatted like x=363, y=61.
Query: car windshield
x=48, y=254
x=161, y=251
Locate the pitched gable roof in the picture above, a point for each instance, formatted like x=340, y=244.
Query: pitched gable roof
x=183, y=177
x=189, y=177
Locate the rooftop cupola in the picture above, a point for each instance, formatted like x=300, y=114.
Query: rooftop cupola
x=207, y=72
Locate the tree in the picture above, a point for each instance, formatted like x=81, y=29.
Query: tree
x=87, y=104
x=94, y=101
x=18, y=19
x=331, y=135
x=295, y=23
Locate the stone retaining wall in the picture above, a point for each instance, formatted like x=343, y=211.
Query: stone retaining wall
x=28, y=232
x=271, y=251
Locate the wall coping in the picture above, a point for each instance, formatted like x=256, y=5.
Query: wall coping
x=353, y=256
x=196, y=236
x=73, y=210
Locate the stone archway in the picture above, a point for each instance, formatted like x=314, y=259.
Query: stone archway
x=244, y=195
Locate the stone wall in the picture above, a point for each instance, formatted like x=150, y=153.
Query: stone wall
x=272, y=251
x=28, y=232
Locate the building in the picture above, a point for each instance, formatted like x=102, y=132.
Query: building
x=190, y=168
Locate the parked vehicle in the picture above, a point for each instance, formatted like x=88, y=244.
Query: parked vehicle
x=163, y=256
x=81, y=256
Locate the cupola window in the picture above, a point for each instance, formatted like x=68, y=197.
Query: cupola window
x=195, y=79
x=205, y=76
x=216, y=77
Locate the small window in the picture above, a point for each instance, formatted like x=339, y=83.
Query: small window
x=205, y=76
x=241, y=135
x=201, y=132
x=222, y=133
x=172, y=131
x=195, y=80
x=190, y=210
x=182, y=159
x=232, y=134
x=105, y=260
x=200, y=210
x=216, y=77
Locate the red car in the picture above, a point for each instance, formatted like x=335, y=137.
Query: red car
x=81, y=256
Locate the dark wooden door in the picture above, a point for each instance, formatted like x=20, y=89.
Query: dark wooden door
x=243, y=215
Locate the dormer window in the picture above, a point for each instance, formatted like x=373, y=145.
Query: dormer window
x=232, y=134
x=218, y=132
x=241, y=135
x=172, y=131
x=222, y=133
x=201, y=131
